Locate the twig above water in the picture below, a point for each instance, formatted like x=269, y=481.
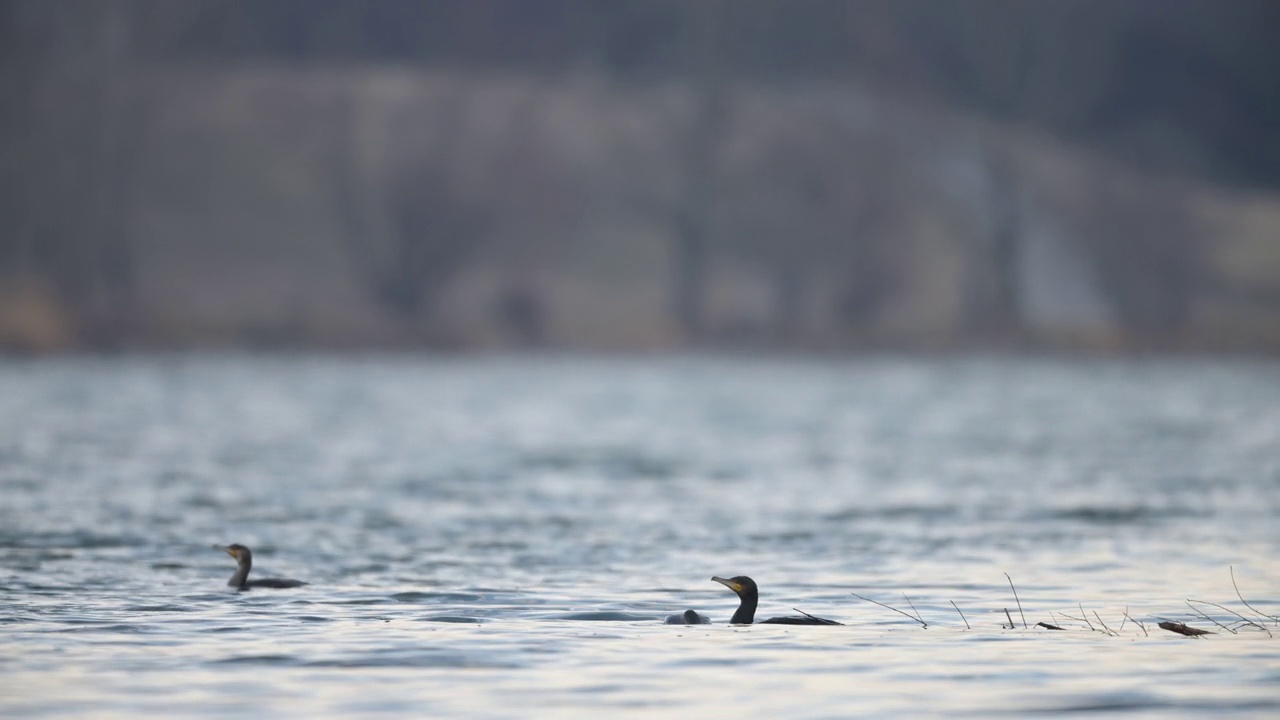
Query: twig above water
x=1084, y=618
x=889, y=607
x=1137, y=622
x=1108, y=630
x=1232, y=570
x=1197, y=611
x=823, y=621
x=1015, y=599
x=913, y=608
x=1085, y=615
x=962, y=617
x=1243, y=619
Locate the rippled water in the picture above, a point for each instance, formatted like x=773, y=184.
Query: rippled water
x=502, y=537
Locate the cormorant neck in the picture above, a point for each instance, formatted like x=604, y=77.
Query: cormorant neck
x=242, y=574
x=746, y=613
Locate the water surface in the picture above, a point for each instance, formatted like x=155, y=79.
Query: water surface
x=502, y=537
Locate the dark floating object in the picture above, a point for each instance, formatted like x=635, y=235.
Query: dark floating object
x=1183, y=629
x=244, y=559
x=746, y=589
x=1047, y=626
x=688, y=617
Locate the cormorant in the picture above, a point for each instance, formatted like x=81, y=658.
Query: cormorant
x=688, y=617
x=244, y=558
x=746, y=589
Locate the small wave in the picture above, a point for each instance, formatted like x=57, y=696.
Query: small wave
x=413, y=596
x=274, y=660
x=416, y=660
x=368, y=568
x=781, y=537
x=1137, y=701
x=96, y=626
x=67, y=541
x=714, y=662
x=498, y=545
x=459, y=619
x=381, y=521
x=157, y=608
x=602, y=616
x=621, y=463
x=1116, y=515
x=892, y=512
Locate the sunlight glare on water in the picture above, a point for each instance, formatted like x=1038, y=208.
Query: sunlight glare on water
x=496, y=537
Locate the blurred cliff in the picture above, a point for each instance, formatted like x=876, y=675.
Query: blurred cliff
x=640, y=174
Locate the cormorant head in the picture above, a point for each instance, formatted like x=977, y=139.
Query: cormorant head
x=241, y=553
x=742, y=585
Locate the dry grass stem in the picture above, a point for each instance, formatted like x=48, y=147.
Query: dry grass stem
x=1231, y=626
x=1137, y=622
x=889, y=607
x=1085, y=615
x=1103, y=623
x=913, y=608
x=1015, y=599
x=811, y=617
x=1243, y=619
x=1197, y=611
x=1232, y=570
x=1084, y=618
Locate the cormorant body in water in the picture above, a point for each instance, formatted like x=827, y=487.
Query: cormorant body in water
x=241, y=581
x=688, y=617
x=747, y=591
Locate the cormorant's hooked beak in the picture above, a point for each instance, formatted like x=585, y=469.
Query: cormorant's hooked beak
x=734, y=586
x=228, y=550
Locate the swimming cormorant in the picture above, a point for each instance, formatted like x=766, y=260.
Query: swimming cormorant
x=244, y=558
x=688, y=617
x=746, y=589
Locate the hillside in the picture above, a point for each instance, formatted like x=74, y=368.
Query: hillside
x=273, y=204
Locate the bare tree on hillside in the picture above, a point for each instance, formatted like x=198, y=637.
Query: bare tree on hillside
x=995, y=289
x=1141, y=239
x=413, y=226
x=810, y=204
x=703, y=39
x=429, y=228
x=868, y=252
x=76, y=127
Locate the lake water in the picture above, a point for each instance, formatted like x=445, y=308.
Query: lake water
x=499, y=537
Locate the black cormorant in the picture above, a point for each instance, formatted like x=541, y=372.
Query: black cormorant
x=746, y=589
x=244, y=558
x=688, y=617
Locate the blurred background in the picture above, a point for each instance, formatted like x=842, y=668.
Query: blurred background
x=630, y=175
